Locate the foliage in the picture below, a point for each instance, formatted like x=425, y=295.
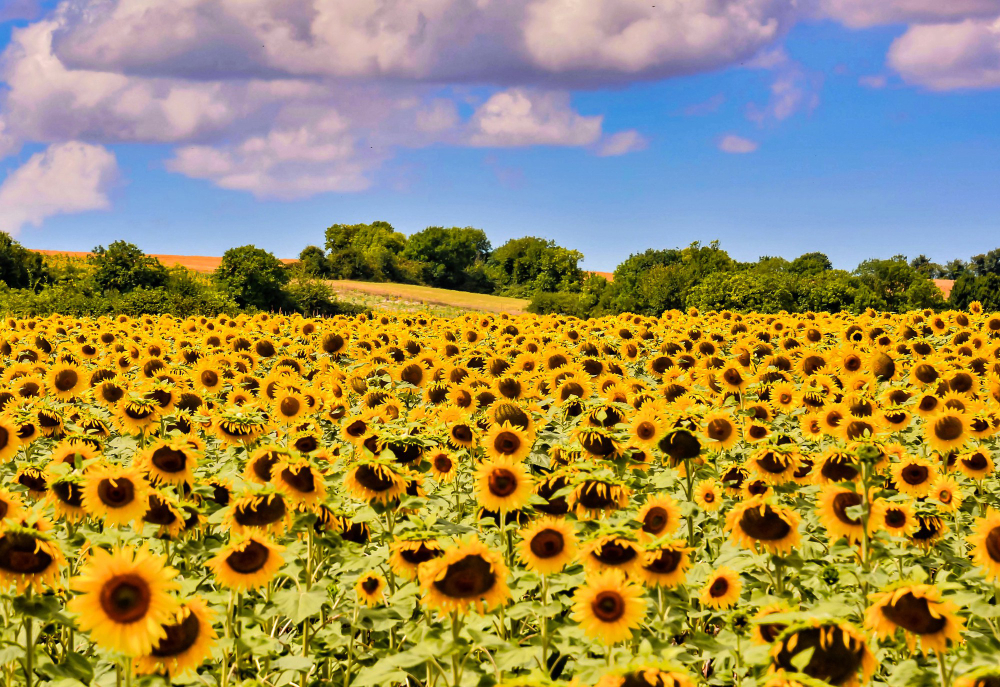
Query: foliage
x=253, y=277
x=314, y=263
x=20, y=268
x=526, y=265
x=448, y=255
x=365, y=251
x=123, y=267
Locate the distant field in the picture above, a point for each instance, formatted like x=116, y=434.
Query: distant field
x=198, y=263
x=427, y=295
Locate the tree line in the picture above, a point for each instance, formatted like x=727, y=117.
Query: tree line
x=121, y=278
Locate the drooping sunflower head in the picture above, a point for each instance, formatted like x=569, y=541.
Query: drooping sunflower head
x=643, y=673
x=247, y=563
x=468, y=576
x=758, y=524
x=837, y=652
x=920, y=612
x=664, y=563
x=188, y=640
x=987, y=676
x=611, y=551
x=300, y=481
x=375, y=480
x=29, y=558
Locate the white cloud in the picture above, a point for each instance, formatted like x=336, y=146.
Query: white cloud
x=731, y=143
x=864, y=13
x=949, y=56
x=13, y=10
x=520, y=117
x=793, y=89
x=65, y=178
x=622, y=143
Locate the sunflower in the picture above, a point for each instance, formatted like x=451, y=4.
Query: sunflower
x=929, y=531
x=646, y=429
x=757, y=524
x=661, y=515
x=66, y=496
x=947, y=431
x=664, y=564
x=11, y=506
x=609, y=607
x=547, y=545
x=407, y=554
x=722, y=589
x=247, y=563
x=125, y=599
x=116, y=494
x=721, y=431
x=707, y=495
x=137, y=415
x=832, y=506
x=503, y=484
x=918, y=610
x=170, y=461
x=506, y=441
x=468, y=575
x=897, y=518
x=985, y=541
x=947, y=493
x=264, y=512
x=826, y=650
x=370, y=589
x=914, y=476
x=610, y=551
x=764, y=631
x=66, y=380
x=10, y=440
x=775, y=464
x=300, y=481
x=260, y=468
x=188, y=641
x=375, y=480
x=646, y=674
x=980, y=677
x=29, y=559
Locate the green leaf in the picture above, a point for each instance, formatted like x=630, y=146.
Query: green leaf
x=295, y=663
x=299, y=605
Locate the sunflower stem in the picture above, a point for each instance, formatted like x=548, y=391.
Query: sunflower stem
x=543, y=627
x=350, y=648
x=943, y=673
x=29, y=650
x=456, y=630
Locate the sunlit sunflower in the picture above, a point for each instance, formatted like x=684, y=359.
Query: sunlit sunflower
x=444, y=465
x=985, y=541
x=170, y=461
x=976, y=464
x=11, y=506
x=764, y=630
x=760, y=525
x=137, y=415
x=247, y=563
x=468, y=576
x=258, y=513
x=896, y=518
x=507, y=441
x=375, y=480
x=547, y=545
x=125, y=599
x=608, y=607
x=948, y=494
x=646, y=429
x=10, y=442
x=832, y=506
x=946, y=431
x=300, y=481
x=660, y=515
x=722, y=589
x=914, y=476
x=707, y=495
x=115, y=494
x=29, y=558
x=593, y=498
x=720, y=430
x=929, y=531
x=774, y=464
x=188, y=642
x=66, y=380
x=643, y=674
x=407, y=554
x=827, y=650
x=370, y=589
x=918, y=610
x=664, y=564
x=503, y=484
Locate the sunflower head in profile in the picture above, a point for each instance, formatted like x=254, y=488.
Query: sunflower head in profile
x=116, y=494
x=370, y=589
x=247, y=563
x=300, y=481
x=66, y=496
x=375, y=480
x=137, y=414
x=547, y=545
x=643, y=673
x=409, y=552
x=29, y=558
x=919, y=611
x=664, y=563
x=766, y=627
x=985, y=541
x=11, y=506
x=836, y=465
x=760, y=524
x=503, y=485
x=609, y=607
x=125, y=599
x=188, y=641
x=612, y=550
x=775, y=464
x=722, y=589
x=837, y=652
x=239, y=425
x=264, y=512
x=468, y=576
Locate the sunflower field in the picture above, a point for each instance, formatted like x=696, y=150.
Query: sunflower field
x=404, y=500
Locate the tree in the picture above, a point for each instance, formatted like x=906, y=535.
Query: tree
x=924, y=266
x=20, y=268
x=968, y=288
x=253, y=277
x=123, y=267
x=894, y=285
x=448, y=255
x=526, y=265
x=365, y=251
x=623, y=294
x=766, y=292
x=811, y=264
x=985, y=263
x=313, y=262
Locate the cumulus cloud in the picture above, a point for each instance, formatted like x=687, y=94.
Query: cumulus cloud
x=949, y=56
x=519, y=117
x=864, y=13
x=731, y=143
x=65, y=178
x=622, y=143
x=13, y=10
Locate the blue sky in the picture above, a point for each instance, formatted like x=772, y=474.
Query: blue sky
x=842, y=134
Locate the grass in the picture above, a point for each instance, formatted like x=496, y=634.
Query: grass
x=445, y=301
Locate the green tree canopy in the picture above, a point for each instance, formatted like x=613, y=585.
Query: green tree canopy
x=123, y=267
x=365, y=251
x=253, y=277
x=20, y=268
x=447, y=255
x=526, y=265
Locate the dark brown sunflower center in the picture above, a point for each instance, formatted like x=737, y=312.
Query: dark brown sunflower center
x=894, y=517
x=373, y=478
x=159, y=513
x=596, y=495
x=768, y=525
x=19, y=554
x=462, y=433
x=442, y=463
x=289, y=406
x=645, y=430
x=770, y=631
x=915, y=475
x=613, y=553
x=948, y=428
x=719, y=588
x=976, y=462
x=467, y=578
x=547, y=543
x=502, y=482
x=69, y=493
x=252, y=558
x=608, y=606
x=992, y=543
x=655, y=520
x=770, y=462
x=370, y=585
x=209, y=379
x=507, y=443
x=421, y=554
x=665, y=561
x=598, y=444
x=830, y=660
x=180, y=637
x=301, y=480
x=838, y=470
x=261, y=512
x=914, y=615
x=732, y=377
x=719, y=430
x=65, y=380
x=680, y=445
x=843, y=501
x=125, y=598
x=117, y=492
x=169, y=459
x=356, y=429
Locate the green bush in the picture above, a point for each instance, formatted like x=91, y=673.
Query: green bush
x=20, y=268
x=254, y=278
x=123, y=267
